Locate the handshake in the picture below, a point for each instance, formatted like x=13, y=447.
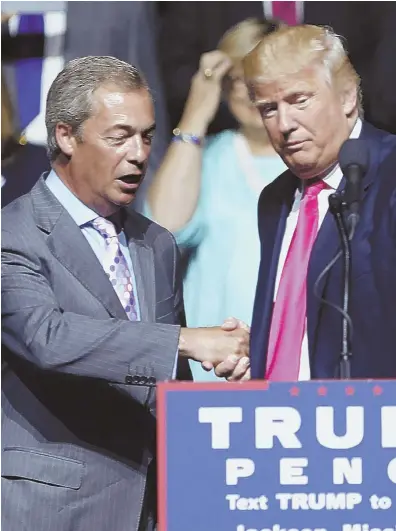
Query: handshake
x=223, y=348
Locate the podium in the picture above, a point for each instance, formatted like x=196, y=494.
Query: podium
x=259, y=456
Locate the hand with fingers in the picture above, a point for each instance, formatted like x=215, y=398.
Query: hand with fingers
x=224, y=349
x=233, y=368
x=205, y=92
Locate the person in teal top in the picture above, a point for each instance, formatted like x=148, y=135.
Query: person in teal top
x=206, y=193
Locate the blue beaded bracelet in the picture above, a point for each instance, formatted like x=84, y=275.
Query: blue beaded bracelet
x=188, y=138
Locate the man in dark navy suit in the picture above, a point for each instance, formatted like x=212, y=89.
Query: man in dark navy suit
x=309, y=97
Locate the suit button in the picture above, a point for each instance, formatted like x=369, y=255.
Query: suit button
x=152, y=380
x=143, y=380
x=132, y=380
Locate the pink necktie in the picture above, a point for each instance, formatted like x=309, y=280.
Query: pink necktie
x=116, y=266
x=286, y=11
x=289, y=313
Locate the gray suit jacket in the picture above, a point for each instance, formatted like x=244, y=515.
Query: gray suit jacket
x=79, y=377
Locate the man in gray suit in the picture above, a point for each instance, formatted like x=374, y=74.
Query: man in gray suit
x=92, y=306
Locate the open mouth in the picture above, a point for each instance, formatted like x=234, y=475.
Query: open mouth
x=130, y=179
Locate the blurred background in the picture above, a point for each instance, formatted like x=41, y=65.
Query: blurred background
x=165, y=40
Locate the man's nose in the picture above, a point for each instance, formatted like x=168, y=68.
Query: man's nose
x=138, y=150
x=286, y=122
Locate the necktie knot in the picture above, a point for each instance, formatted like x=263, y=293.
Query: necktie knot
x=314, y=189
x=105, y=227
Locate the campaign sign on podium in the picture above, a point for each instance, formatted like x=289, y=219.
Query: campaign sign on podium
x=277, y=457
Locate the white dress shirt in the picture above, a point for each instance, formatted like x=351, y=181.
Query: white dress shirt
x=333, y=180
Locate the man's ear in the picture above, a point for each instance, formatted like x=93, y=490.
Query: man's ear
x=65, y=138
x=349, y=95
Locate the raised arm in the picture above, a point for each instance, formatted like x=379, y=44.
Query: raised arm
x=174, y=192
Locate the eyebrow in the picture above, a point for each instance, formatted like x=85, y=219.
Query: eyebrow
x=130, y=129
x=149, y=129
x=287, y=96
x=262, y=103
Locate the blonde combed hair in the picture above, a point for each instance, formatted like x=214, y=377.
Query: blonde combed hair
x=291, y=49
x=242, y=38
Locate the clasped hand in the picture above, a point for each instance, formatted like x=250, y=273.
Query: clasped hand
x=226, y=350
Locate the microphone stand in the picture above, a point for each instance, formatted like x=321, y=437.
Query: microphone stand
x=336, y=208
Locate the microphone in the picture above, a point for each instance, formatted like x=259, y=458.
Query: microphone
x=354, y=159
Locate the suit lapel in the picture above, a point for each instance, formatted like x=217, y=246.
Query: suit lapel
x=143, y=265
x=274, y=207
x=68, y=244
x=327, y=244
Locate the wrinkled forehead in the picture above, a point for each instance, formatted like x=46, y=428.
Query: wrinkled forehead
x=266, y=89
x=107, y=98
x=112, y=104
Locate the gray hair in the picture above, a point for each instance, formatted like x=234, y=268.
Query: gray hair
x=70, y=96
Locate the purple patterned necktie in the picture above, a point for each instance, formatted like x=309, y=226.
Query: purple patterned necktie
x=116, y=267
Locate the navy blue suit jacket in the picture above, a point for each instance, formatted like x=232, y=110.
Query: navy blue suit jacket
x=373, y=296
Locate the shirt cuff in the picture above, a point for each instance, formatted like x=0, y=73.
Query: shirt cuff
x=175, y=366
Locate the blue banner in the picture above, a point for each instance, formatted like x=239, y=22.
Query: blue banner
x=277, y=457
